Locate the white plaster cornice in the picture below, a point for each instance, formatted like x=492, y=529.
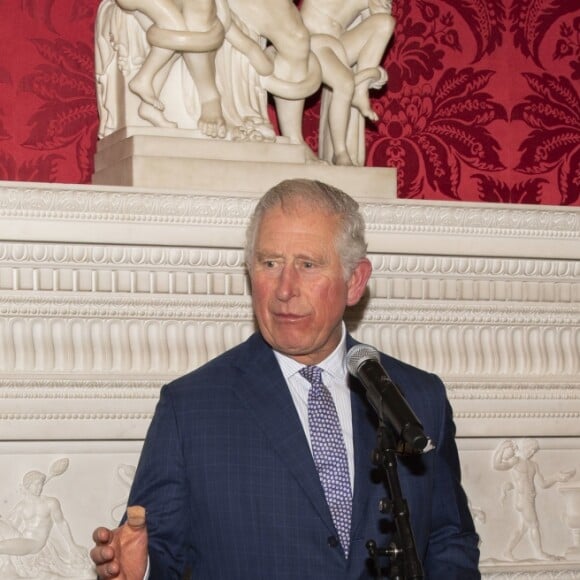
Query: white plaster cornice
x=89, y=213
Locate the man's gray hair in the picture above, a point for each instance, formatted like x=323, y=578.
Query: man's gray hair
x=350, y=243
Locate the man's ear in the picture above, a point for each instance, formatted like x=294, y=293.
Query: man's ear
x=357, y=281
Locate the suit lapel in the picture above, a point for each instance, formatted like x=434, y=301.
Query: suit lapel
x=262, y=389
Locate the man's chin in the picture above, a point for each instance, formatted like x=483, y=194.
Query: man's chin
x=289, y=348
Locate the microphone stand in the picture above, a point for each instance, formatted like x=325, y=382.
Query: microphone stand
x=404, y=562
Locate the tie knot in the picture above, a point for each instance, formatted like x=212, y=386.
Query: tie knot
x=312, y=374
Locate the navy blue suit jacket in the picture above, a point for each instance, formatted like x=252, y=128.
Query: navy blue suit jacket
x=231, y=491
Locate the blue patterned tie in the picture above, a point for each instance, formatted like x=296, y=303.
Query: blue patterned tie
x=329, y=453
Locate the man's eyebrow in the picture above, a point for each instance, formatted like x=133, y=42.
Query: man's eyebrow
x=316, y=258
x=267, y=254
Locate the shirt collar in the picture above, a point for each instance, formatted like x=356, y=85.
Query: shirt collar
x=334, y=364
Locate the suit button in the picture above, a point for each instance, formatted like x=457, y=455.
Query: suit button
x=332, y=541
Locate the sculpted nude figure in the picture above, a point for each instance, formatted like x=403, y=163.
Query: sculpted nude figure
x=36, y=526
x=192, y=29
x=525, y=473
x=295, y=70
x=195, y=29
x=349, y=37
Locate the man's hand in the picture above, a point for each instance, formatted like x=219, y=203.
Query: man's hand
x=122, y=553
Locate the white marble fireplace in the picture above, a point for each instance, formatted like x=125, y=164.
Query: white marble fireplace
x=108, y=292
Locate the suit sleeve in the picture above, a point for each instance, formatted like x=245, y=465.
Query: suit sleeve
x=160, y=486
x=452, y=551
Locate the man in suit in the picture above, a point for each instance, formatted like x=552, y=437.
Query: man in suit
x=231, y=474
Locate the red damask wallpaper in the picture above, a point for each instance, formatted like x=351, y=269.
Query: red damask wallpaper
x=482, y=103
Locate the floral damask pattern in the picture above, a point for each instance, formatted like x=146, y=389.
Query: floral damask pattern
x=434, y=119
x=568, y=47
x=482, y=101
x=43, y=10
x=553, y=114
x=428, y=133
x=4, y=80
x=68, y=113
x=532, y=19
x=493, y=190
x=485, y=21
x=53, y=97
x=447, y=129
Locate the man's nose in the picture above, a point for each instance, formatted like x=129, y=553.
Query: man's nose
x=287, y=283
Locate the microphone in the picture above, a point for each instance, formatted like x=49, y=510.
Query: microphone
x=363, y=362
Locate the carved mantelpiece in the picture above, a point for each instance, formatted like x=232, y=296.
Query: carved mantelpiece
x=108, y=292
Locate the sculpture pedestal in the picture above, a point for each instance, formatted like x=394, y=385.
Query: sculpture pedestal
x=182, y=159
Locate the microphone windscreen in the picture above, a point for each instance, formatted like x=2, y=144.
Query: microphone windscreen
x=358, y=354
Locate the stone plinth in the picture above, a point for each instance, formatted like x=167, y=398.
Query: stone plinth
x=182, y=159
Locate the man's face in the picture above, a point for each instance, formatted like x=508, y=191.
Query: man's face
x=299, y=291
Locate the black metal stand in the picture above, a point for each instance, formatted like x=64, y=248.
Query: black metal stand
x=404, y=562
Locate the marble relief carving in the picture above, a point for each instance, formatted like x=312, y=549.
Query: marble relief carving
x=571, y=493
x=35, y=538
x=527, y=481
